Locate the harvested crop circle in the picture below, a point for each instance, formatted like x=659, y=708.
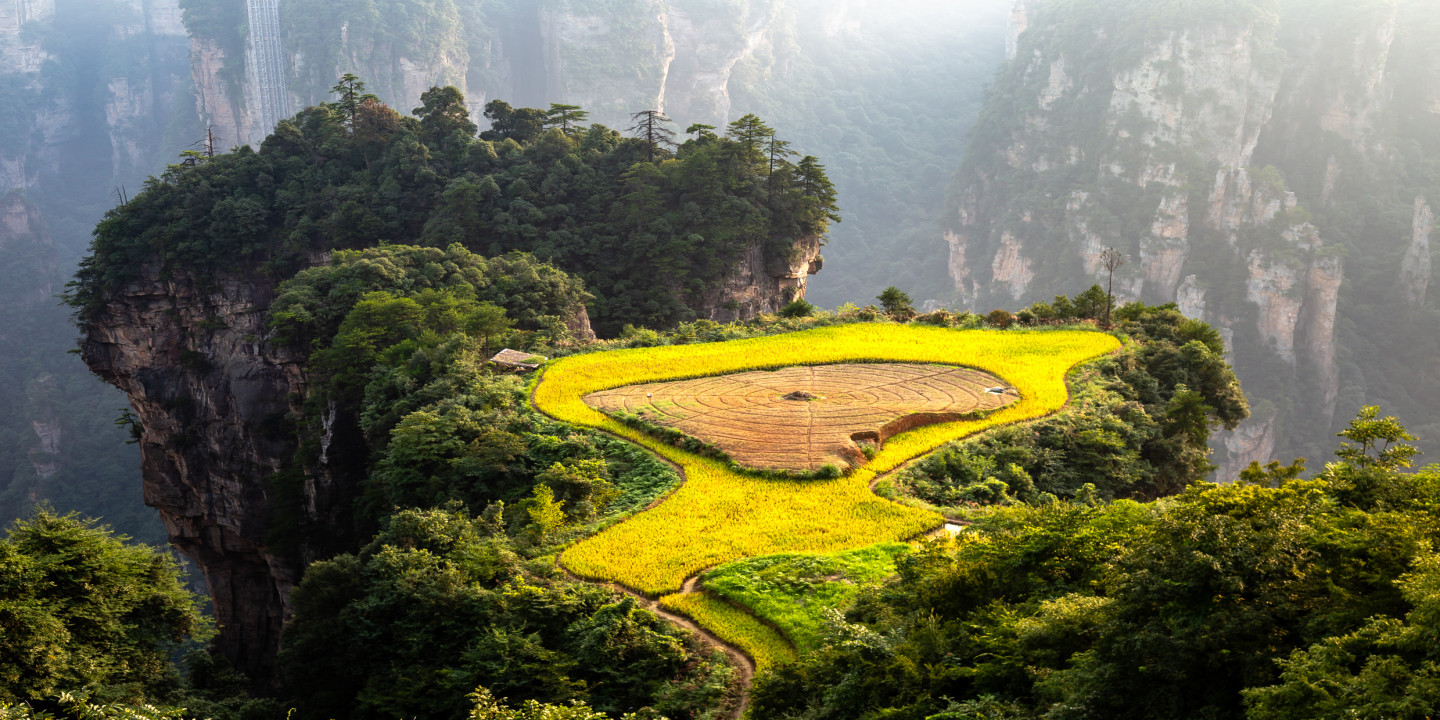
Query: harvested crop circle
x=804, y=418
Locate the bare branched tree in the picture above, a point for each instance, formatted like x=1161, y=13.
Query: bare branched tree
x=1112, y=260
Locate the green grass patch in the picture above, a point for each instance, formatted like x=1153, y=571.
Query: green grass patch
x=798, y=592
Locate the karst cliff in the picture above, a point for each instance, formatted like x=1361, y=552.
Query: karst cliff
x=676, y=56
x=1251, y=163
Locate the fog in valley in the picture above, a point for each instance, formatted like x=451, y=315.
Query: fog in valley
x=1270, y=167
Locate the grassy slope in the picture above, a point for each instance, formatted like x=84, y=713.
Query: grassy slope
x=796, y=592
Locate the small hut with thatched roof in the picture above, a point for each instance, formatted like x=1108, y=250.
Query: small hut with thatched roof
x=517, y=361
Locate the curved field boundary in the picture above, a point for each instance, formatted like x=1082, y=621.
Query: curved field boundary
x=719, y=515
x=755, y=418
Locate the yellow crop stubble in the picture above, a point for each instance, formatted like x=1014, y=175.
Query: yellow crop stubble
x=719, y=515
x=763, y=644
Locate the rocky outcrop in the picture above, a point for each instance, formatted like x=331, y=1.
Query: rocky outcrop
x=45, y=453
x=1011, y=269
x=1416, y=270
x=23, y=236
x=21, y=53
x=678, y=56
x=1203, y=89
x=704, y=53
x=761, y=285
x=1253, y=441
x=1190, y=297
x=220, y=103
x=1272, y=288
x=1322, y=301
x=210, y=394
x=1020, y=14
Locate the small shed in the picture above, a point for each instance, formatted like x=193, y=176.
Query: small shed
x=516, y=360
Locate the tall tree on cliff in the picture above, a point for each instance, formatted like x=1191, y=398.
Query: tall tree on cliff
x=351, y=90
x=565, y=117
x=751, y=133
x=651, y=126
x=1112, y=260
x=444, y=119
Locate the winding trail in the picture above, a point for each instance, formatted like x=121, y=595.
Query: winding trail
x=743, y=663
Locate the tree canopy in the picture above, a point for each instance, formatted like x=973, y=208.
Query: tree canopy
x=1313, y=598
x=649, y=227
x=81, y=609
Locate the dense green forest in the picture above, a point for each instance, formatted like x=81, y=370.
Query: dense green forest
x=650, y=226
x=1137, y=425
x=1278, y=597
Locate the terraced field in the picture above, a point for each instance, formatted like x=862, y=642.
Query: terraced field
x=804, y=418
x=719, y=515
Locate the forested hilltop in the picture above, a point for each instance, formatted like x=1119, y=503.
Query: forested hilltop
x=655, y=228
x=221, y=389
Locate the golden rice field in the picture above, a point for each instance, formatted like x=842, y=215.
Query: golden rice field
x=735, y=626
x=759, y=421
x=719, y=515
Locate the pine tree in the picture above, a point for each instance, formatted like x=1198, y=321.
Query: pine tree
x=817, y=189
x=651, y=126
x=443, y=114
x=779, y=152
x=565, y=117
x=701, y=131
x=351, y=90
x=752, y=135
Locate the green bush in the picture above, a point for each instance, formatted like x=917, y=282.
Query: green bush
x=797, y=309
x=1000, y=319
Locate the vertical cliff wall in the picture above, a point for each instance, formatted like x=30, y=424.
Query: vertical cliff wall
x=88, y=92
x=206, y=401
x=1215, y=146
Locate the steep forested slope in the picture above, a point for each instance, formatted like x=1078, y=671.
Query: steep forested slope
x=1272, y=598
x=253, y=398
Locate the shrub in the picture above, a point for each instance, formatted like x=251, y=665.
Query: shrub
x=940, y=318
x=1000, y=318
x=797, y=309
x=897, y=304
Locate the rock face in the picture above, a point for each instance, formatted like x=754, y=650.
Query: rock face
x=677, y=56
x=1415, y=269
x=1254, y=441
x=208, y=393
x=760, y=284
x=1195, y=154
x=213, y=398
